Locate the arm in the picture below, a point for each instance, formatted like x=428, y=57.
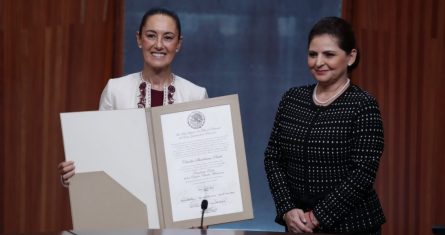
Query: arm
x=367, y=148
x=105, y=98
x=288, y=213
x=275, y=166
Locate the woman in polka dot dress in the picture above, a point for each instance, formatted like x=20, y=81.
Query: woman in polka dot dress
x=326, y=143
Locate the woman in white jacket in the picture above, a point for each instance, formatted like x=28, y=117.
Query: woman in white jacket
x=159, y=38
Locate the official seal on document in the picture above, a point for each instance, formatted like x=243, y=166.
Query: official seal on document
x=196, y=120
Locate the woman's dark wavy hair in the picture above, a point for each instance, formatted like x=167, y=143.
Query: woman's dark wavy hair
x=161, y=11
x=340, y=29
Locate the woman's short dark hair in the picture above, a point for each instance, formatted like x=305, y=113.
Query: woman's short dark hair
x=340, y=29
x=161, y=11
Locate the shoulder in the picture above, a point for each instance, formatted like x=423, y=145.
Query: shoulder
x=188, y=91
x=181, y=82
x=296, y=98
x=302, y=93
x=361, y=97
x=123, y=85
x=125, y=80
x=119, y=93
x=361, y=102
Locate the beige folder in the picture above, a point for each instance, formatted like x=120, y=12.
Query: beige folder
x=99, y=202
x=118, y=144
x=124, y=170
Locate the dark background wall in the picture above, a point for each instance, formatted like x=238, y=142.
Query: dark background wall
x=256, y=49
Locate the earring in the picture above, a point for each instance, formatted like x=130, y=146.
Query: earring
x=139, y=46
x=177, y=50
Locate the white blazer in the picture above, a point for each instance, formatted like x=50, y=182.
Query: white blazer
x=122, y=93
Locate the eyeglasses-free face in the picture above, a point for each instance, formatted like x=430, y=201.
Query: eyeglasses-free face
x=159, y=41
x=327, y=61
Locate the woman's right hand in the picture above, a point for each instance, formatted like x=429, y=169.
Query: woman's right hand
x=66, y=171
x=297, y=221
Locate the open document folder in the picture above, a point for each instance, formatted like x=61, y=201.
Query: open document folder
x=165, y=159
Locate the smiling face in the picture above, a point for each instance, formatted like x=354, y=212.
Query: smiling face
x=159, y=40
x=327, y=61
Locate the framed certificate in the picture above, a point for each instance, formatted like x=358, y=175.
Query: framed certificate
x=200, y=156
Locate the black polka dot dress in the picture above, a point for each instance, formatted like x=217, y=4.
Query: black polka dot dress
x=325, y=159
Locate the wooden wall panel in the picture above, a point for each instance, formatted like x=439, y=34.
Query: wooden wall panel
x=55, y=56
x=402, y=45
x=2, y=136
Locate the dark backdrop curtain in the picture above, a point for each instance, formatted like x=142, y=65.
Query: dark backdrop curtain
x=402, y=45
x=55, y=57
